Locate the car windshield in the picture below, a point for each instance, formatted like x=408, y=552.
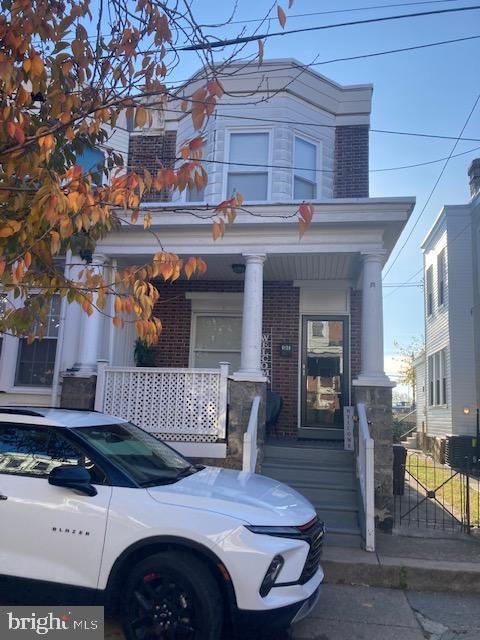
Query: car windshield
x=139, y=455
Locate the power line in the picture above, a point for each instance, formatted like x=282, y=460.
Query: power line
x=333, y=60
x=435, y=185
x=294, y=168
x=350, y=10
x=404, y=283
x=216, y=44
x=325, y=126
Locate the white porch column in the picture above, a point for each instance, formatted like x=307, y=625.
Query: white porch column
x=90, y=329
x=372, y=366
x=251, y=354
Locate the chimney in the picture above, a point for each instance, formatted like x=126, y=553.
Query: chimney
x=474, y=175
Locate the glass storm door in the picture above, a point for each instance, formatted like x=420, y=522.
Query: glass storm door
x=325, y=376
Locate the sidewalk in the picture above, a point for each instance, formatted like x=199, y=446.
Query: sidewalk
x=408, y=562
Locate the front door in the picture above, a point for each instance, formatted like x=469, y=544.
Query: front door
x=325, y=376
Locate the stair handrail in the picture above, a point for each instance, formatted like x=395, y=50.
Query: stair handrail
x=365, y=473
x=407, y=433
x=250, y=448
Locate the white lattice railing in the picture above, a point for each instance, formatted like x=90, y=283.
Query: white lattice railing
x=250, y=448
x=365, y=474
x=184, y=405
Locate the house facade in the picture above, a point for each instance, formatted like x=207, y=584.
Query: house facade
x=448, y=373
x=299, y=318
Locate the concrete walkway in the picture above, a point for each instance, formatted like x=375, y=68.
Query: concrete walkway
x=408, y=562
x=366, y=613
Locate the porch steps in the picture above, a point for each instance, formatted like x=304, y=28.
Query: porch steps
x=326, y=477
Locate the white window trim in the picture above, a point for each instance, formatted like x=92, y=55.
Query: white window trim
x=431, y=358
x=318, y=161
x=429, y=288
x=442, y=305
x=9, y=361
x=215, y=303
x=226, y=158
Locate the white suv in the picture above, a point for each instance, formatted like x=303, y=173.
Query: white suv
x=94, y=510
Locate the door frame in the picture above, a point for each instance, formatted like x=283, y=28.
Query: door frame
x=345, y=319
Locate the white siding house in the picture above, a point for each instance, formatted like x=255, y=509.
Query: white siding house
x=449, y=368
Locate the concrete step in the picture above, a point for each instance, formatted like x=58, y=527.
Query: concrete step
x=324, y=433
x=320, y=496
x=411, y=442
x=307, y=454
x=325, y=475
x=337, y=517
x=339, y=537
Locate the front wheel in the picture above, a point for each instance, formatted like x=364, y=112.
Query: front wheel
x=172, y=596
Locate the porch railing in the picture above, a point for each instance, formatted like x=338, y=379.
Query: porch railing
x=250, y=448
x=185, y=405
x=365, y=474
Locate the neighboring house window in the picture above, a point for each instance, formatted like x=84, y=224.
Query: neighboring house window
x=437, y=378
x=441, y=277
x=305, y=170
x=36, y=361
x=429, y=291
x=217, y=338
x=250, y=181
x=194, y=194
x=92, y=160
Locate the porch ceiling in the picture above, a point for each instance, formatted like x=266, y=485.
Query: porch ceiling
x=325, y=266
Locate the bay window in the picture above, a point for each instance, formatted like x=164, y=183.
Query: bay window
x=192, y=194
x=305, y=170
x=246, y=178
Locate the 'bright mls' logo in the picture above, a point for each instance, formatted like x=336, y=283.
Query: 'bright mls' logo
x=22, y=623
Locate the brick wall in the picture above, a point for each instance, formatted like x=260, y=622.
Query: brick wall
x=351, y=162
x=280, y=315
x=153, y=153
x=356, y=331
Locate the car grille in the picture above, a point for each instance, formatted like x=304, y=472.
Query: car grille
x=312, y=533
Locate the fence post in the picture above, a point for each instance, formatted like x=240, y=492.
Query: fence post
x=100, y=386
x=467, y=495
x=222, y=400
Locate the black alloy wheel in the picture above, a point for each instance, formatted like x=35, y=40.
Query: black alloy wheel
x=172, y=596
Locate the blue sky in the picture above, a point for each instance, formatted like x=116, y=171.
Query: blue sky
x=430, y=91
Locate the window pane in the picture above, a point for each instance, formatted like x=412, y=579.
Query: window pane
x=92, y=160
x=36, y=362
x=305, y=161
x=194, y=194
x=303, y=190
x=49, y=329
x=247, y=147
x=218, y=332
x=211, y=359
x=252, y=186
x=36, y=451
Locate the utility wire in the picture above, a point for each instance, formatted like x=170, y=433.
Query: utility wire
x=332, y=61
x=435, y=185
x=294, y=168
x=216, y=44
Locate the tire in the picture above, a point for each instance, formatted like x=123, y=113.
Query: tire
x=180, y=591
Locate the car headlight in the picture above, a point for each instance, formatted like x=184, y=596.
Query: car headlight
x=287, y=532
x=271, y=575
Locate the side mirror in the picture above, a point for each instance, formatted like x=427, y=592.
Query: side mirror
x=72, y=477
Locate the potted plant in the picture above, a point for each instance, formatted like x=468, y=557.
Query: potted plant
x=144, y=354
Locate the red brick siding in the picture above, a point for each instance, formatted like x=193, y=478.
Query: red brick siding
x=356, y=332
x=280, y=315
x=281, y=308
x=153, y=153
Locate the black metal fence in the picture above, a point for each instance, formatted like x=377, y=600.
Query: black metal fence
x=436, y=496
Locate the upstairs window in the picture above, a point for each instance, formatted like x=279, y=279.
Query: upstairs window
x=429, y=291
x=441, y=278
x=305, y=170
x=192, y=193
x=92, y=161
x=245, y=178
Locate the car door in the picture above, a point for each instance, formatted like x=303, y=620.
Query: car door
x=47, y=532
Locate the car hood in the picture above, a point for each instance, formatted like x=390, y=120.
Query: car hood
x=249, y=497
